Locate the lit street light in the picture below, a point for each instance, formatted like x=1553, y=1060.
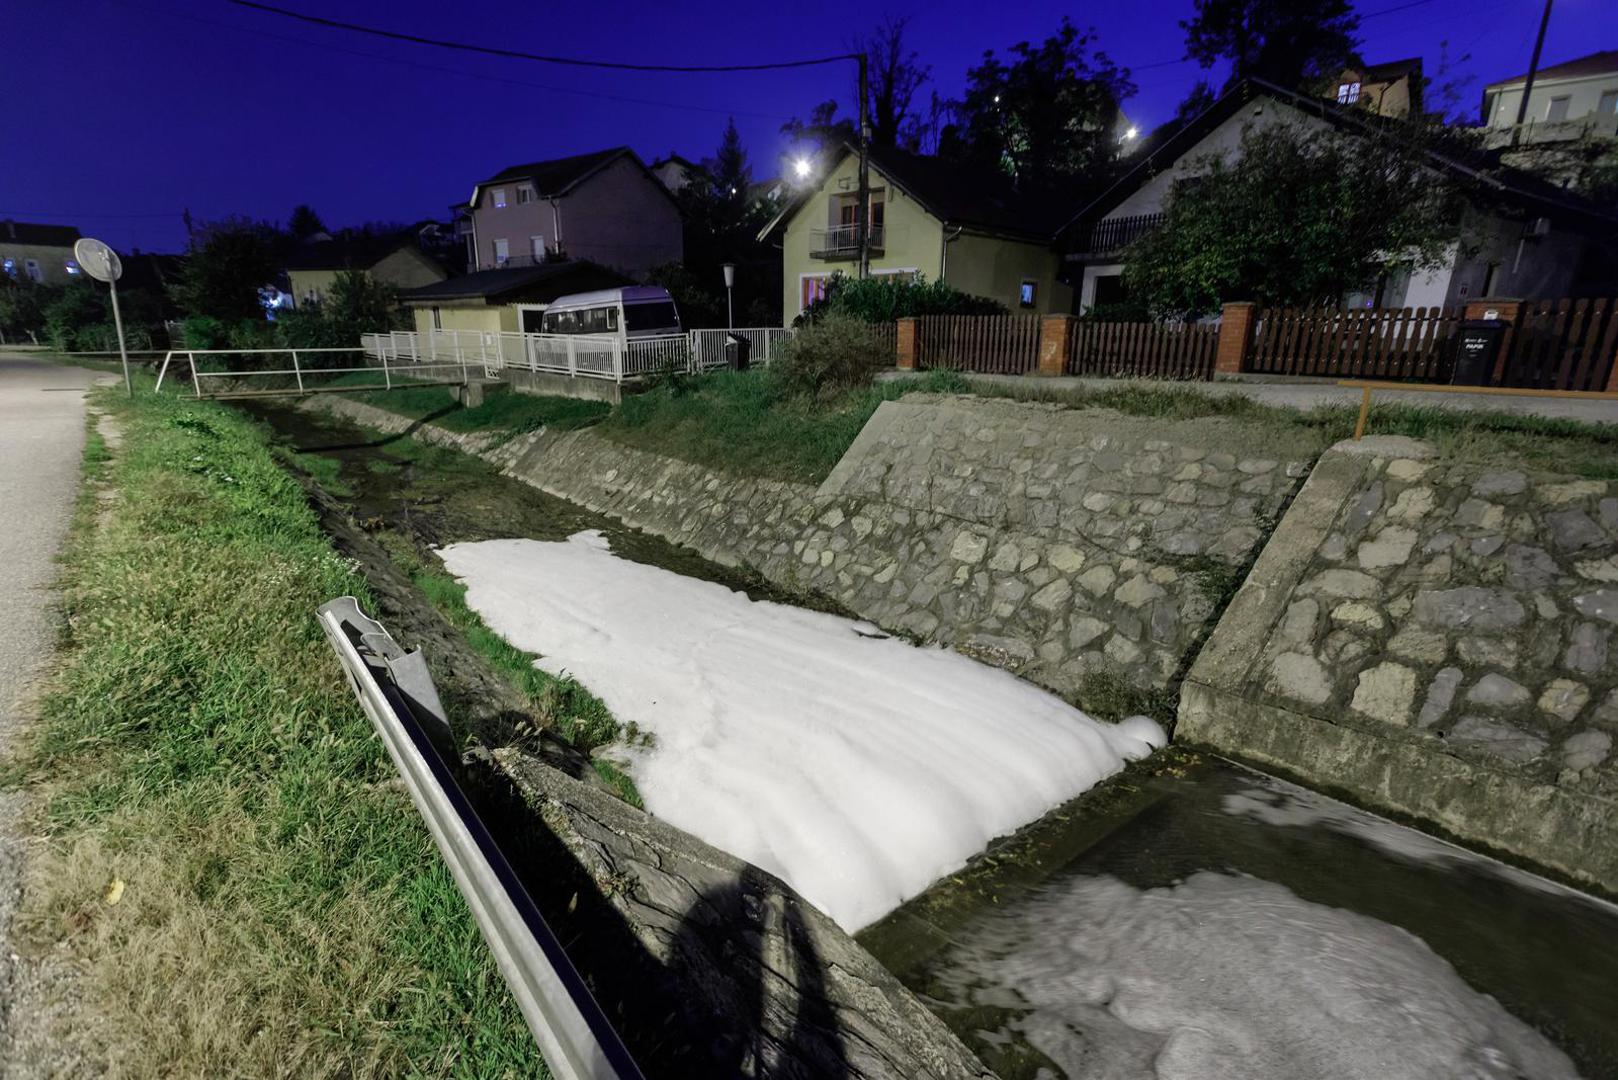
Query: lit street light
x=802, y=168
x=730, y=280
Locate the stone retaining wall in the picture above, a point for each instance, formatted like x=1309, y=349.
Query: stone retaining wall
x=1434, y=638
x=1063, y=544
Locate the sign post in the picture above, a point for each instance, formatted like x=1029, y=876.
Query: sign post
x=102, y=263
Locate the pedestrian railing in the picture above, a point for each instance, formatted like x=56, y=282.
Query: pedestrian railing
x=581, y=356
x=245, y=373
x=396, y=692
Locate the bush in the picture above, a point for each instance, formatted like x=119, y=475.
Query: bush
x=884, y=299
x=205, y=332
x=831, y=355
x=22, y=306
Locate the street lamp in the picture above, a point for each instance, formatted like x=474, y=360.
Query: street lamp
x=730, y=281
x=802, y=168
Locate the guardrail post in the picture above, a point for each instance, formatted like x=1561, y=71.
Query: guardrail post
x=387, y=378
x=196, y=380
x=1235, y=337
x=164, y=370
x=297, y=372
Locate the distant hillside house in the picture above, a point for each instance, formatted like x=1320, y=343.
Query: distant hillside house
x=1526, y=237
x=402, y=260
x=604, y=207
x=506, y=299
x=931, y=217
x=674, y=171
x=1390, y=89
x=1568, y=101
x=38, y=253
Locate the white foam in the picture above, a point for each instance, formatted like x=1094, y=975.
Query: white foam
x=859, y=770
x=1233, y=977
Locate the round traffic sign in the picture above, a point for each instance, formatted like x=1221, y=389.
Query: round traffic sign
x=98, y=260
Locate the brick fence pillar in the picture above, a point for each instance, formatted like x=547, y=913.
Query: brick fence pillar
x=1507, y=309
x=906, y=347
x=1055, y=343
x=1235, y=337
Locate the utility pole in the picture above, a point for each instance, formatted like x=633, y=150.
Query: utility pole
x=1533, y=69
x=862, y=214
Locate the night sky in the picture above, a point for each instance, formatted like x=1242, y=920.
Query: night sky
x=119, y=114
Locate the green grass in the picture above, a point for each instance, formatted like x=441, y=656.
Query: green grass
x=562, y=704
x=504, y=411
x=740, y=423
x=283, y=910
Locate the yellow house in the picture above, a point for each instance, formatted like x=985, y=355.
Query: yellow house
x=928, y=217
x=510, y=298
x=400, y=263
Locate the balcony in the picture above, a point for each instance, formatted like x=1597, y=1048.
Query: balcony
x=843, y=242
x=1112, y=235
x=514, y=261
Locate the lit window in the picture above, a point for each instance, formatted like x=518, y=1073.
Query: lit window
x=498, y=197
x=1027, y=294
x=1348, y=93
x=10, y=267
x=31, y=268
x=502, y=252
x=71, y=267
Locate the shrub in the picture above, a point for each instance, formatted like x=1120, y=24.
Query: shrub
x=833, y=354
x=22, y=306
x=205, y=332
x=884, y=299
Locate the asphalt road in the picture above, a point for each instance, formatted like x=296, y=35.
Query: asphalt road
x=41, y=441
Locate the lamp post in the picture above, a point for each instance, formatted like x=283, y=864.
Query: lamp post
x=730, y=281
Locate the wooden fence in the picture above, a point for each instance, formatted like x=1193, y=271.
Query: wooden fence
x=1359, y=343
x=1562, y=345
x=1143, y=350
x=994, y=344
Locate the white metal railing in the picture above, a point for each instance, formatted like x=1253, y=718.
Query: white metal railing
x=305, y=378
x=581, y=356
x=843, y=241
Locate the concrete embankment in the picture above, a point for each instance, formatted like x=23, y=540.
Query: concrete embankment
x=1080, y=549
x=1433, y=638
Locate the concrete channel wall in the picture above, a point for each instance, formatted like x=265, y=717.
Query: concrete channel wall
x=1435, y=639
x=1081, y=549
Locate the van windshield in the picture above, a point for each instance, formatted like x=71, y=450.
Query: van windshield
x=659, y=316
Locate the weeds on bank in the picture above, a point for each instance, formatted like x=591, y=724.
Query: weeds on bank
x=504, y=411
x=280, y=909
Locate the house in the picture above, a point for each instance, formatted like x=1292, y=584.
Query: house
x=1390, y=89
x=38, y=253
x=674, y=171
x=419, y=255
x=1568, y=100
x=606, y=208
x=508, y=298
x=931, y=217
x=1524, y=237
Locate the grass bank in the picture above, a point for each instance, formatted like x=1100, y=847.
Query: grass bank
x=228, y=856
x=503, y=410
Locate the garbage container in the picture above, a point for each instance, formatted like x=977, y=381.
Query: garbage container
x=1477, y=348
x=738, y=352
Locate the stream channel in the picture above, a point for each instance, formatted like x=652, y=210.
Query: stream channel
x=1188, y=918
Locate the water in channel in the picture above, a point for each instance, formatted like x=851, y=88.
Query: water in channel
x=1191, y=919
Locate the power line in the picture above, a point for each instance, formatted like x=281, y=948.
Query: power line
x=514, y=54
x=77, y=213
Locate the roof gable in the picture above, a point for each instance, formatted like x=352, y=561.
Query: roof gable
x=23, y=232
x=1597, y=63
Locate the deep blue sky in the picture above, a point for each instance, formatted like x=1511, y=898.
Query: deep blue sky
x=121, y=113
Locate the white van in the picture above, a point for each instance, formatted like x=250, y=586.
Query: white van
x=635, y=311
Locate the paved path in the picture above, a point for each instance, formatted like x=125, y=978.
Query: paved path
x=41, y=440
x=1308, y=395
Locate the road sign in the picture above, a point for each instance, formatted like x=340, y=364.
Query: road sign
x=102, y=263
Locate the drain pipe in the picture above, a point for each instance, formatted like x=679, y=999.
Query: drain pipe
x=944, y=241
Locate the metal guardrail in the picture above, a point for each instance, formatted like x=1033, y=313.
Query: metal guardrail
x=412, y=373
x=396, y=692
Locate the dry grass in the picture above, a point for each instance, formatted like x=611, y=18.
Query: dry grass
x=282, y=910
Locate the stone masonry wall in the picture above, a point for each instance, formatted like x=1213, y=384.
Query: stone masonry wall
x=1061, y=544
x=1436, y=638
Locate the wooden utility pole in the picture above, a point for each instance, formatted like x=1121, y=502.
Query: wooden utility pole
x=1533, y=69
x=862, y=214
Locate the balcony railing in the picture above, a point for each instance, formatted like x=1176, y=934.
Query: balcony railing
x=1115, y=234
x=511, y=261
x=843, y=242
x=1539, y=132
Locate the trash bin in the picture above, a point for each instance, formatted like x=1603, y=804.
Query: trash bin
x=738, y=352
x=1477, y=348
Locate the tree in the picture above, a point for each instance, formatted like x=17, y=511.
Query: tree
x=1299, y=218
x=22, y=306
x=304, y=222
x=228, y=263
x=822, y=129
x=722, y=221
x=1286, y=42
x=894, y=75
x=1046, y=116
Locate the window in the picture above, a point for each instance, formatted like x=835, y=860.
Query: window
x=71, y=267
x=438, y=319
x=498, y=198
x=525, y=194
x=502, y=253
x=1027, y=294
x=31, y=268
x=657, y=316
x=10, y=267
x=1556, y=112
x=1348, y=93
x=811, y=287
x=1609, y=103
x=536, y=248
